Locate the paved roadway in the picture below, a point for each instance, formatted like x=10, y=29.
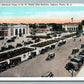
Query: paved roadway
x=38, y=66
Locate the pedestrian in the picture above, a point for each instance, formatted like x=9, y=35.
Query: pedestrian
x=69, y=57
x=74, y=40
x=80, y=40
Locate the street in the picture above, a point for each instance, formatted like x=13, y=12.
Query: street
x=38, y=66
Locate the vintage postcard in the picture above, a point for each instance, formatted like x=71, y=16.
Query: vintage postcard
x=41, y=41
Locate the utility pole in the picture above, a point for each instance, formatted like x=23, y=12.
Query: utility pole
x=72, y=19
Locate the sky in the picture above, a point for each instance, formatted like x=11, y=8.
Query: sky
x=41, y=14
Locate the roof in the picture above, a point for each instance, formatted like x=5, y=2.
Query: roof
x=72, y=23
x=73, y=62
x=77, y=59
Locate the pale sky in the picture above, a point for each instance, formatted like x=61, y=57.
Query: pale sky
x=41, y=14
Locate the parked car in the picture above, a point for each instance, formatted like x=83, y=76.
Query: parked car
x=37, y=40
x=3, y=48
x=83, y=33
x=42, y=51
x=10, y=40
x=15, y=61
x=78, y=60
x=10, y=47
x=26, y=43
x=33, y=54
x=75, y=50
x=72, y=66
x=3, y=66
x=61, y=43
x=18, y=45
x=50, y=56
x=30, y=42
x=81, y=56
x=52, y=47
x=82, y=45
x=82, y=52
x=1, y=38
x=13, y=38
x=47, y=48
x=48, y=74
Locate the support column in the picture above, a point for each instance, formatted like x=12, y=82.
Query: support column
x=28, y=30
x=18, y=32
x=14, y=31
x=22, y=31
x=9, y=32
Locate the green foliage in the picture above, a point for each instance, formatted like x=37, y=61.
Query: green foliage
x=82, y=23
x=63, y=29
x=44, y=43
x=80, y=27
x=56, y=27
x=14, y=53
x=70, y=35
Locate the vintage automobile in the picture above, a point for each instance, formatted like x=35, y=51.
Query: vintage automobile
x=18, y=45
x=82, y=52
x=78, y=60
x=47, y=49
x=3, y=66
x=33, y=54
x=48, y=74
x=72, y=66
x=42, y=51
x=14, y=62
x=82, y=45
x=81, y=56
x=4, y=48
x=75, y=50
x=11, y=40
x=10, y=47
x=61, y=43
x=52, y=47
x=50, y=56
x=1, y=38
x=37, y=40
x=30, y=42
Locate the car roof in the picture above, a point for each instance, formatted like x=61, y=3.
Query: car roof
x=73, y=62
x=51, y=53
x=75, y=48
x=76, y=59
x=80, y=55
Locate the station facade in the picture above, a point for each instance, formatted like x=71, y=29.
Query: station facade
x=70, y=26
x=14, y=30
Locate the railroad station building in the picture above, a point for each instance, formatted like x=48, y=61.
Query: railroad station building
x=14, y=30
x=70, y=26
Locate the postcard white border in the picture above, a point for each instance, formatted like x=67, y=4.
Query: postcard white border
x=41, y=78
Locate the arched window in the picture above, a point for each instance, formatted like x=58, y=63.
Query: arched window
x=23, y=31
x=16, y=32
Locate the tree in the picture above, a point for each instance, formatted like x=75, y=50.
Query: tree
x=79, y=27
x=4, y=24
x=82, y=23
x=56, y=27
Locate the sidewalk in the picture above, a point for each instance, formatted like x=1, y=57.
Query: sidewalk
x=81, y=72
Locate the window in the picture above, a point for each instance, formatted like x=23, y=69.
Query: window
x=16, y=32
x=23, y=31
